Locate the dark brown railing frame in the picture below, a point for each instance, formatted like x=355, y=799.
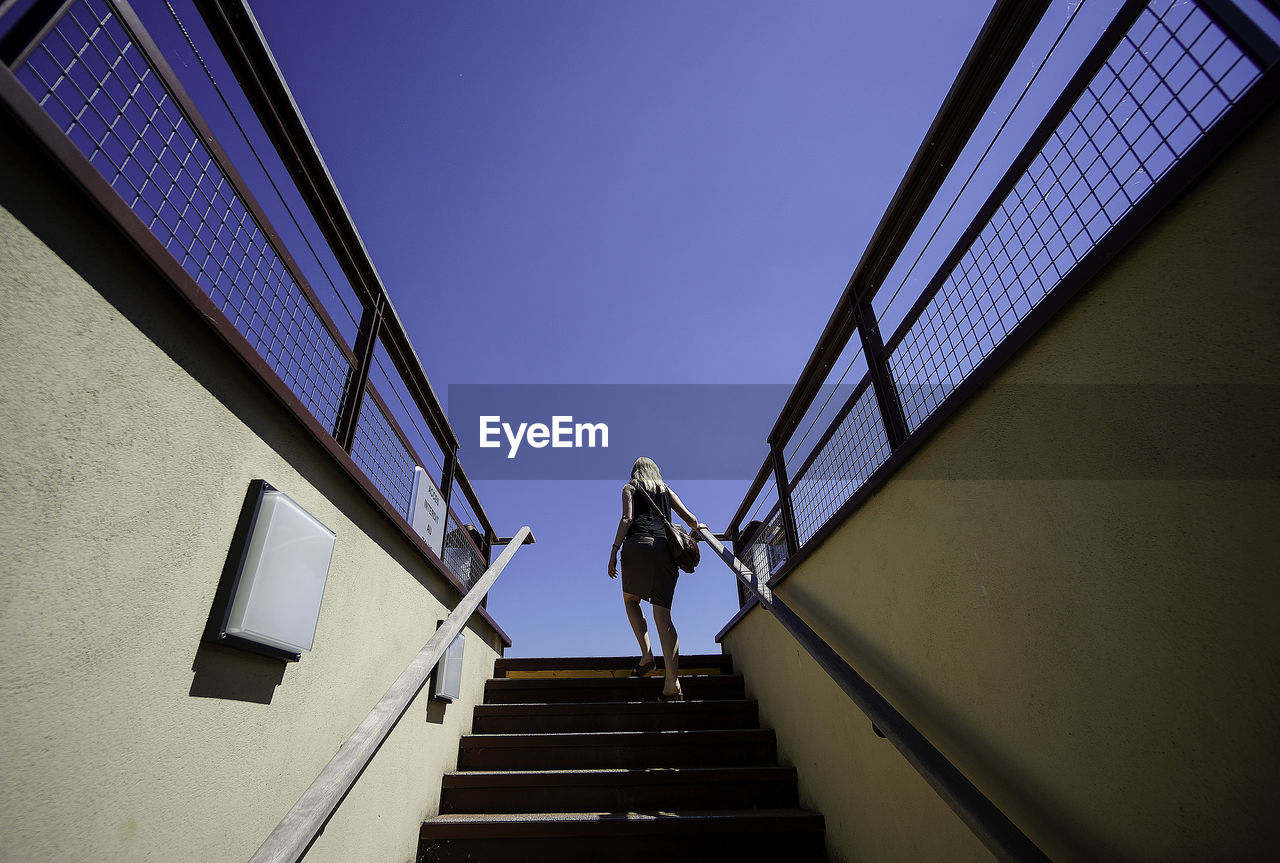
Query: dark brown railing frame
x=968, y=98
x=888, y=242
x=378, y=321
x=244, y=47
x=998, y=45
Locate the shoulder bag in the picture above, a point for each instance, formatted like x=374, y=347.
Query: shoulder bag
x=682, y=544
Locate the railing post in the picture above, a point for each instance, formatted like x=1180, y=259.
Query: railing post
x=895, y=422
x=784, y=499
x=344, y=428
x=446, y=480
x=487, y=549
x=735, y=538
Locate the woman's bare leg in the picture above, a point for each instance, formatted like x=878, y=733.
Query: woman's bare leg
x=670, y=648
x=638, y=625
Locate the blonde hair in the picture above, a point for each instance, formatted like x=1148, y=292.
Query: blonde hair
x=645, y=473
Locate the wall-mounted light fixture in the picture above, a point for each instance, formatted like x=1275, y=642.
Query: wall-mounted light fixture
x=277, y=570
x=447, y=678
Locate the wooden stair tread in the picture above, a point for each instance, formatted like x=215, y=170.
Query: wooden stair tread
x=567, y=667
x=604, y=775
x=614, y=823
x=662, y=736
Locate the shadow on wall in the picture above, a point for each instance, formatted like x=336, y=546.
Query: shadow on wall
x=222, y=672
x=969, y=747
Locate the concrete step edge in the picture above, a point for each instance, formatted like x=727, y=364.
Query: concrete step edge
x=546, y=824
x=607, y=682
x=616, y=776
x=661, y=737
x=562, y=708
x=561, y=663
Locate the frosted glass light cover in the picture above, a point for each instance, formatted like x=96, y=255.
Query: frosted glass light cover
x=277, y=601
x=449, y=671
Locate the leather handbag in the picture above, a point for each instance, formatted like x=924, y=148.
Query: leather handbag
x=682, y=544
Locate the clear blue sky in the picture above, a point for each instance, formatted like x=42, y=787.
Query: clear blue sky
x=542, y=184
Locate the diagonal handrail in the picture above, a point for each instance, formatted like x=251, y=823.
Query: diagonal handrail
x=299, y=828
x=1001, y=836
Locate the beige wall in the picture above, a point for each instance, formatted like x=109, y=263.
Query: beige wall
x=1092, y=640
x=125, y=739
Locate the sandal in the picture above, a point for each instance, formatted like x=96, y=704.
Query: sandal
x=643, y=668
x=675, y=696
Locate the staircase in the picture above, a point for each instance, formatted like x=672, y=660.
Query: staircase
x=572, y=760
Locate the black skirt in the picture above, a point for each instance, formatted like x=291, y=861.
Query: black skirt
x=648, y=570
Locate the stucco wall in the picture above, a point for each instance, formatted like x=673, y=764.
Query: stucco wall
x=1090, y=637
x=130, y=437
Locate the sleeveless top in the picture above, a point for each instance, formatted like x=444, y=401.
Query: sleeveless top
x=644, y=521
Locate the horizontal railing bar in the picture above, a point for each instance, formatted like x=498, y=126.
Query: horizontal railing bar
x=292, y=137
x=1000, y=42
x=302, y=824
x=129, y=18
x=1251, y=38
x=1001, y=836
x=832, y=428
x=757, y=484
x=242, y=43
x=29, y=31
x=394, y=423
x=1088, y=68
x=461, y=480
x=405, y=359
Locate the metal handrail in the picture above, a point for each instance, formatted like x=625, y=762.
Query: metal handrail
x=1001, y=836
x=295, y=833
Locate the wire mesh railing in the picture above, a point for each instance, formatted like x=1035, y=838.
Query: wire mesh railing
x=764, y=549
x=461, y=554
x=1174, y=73
x=97, y=75
x=1157, y=83
x=94, y=81
x=852, y=448
x=382, y=452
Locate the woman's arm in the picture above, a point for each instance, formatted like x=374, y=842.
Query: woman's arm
x=621, y=532
x=682, y=510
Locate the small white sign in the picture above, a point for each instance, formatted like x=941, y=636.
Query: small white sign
x=427, y=513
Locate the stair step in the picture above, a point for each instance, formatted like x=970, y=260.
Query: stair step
x=754, y=835
x=561, y=690
x=603, y=666
x=619, y=790
x=718, y=748
x=537, y=718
